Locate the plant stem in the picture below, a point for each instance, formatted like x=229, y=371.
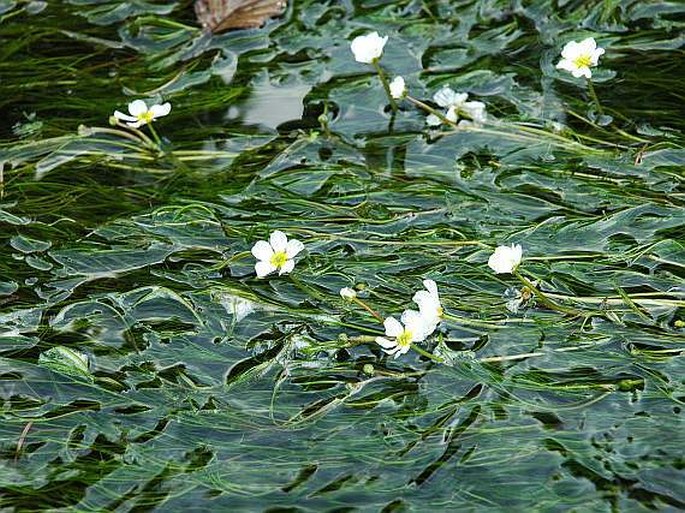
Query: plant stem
x=527, y=133
x=425, y=353
x=368, y=308
x=140, y=136
x=593, y=95
x=386, y=85
x=155, y=137
x=543, y=298
x=466, y=321
x=523, y=356
x=430, y=110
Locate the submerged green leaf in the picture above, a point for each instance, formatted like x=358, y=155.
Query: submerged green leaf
x=66, y=361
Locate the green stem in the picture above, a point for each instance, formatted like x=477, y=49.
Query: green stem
x=425, y=353
x=543, y=298
x=527, y=133
x=615, y=301
x=155, y=137
x=386, y=84
x=430, y=110
x=593, y=95
x=140, y=136
x=368, y=308
x=466, y=321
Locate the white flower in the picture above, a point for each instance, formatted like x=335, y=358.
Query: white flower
x=141, y=115
x=368, y=48
x=450, y=100
x=506, y=259
x=429, y=304
x=456, y=105
x=398, y=89
x=447, y=97
x=476, y=111
x=276, y=255
x=414, y=330
x=348, y=293
x=578, y=58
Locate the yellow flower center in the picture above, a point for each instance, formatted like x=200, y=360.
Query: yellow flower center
x=583, y=61
x=146, y=117
x=441, y=312
x=279, y=259
x=404, y=338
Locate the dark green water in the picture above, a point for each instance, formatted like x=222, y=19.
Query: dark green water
x=207, y=389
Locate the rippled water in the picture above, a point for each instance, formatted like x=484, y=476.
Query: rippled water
x=144, y=367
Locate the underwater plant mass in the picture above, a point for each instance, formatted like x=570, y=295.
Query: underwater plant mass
x=342, y=256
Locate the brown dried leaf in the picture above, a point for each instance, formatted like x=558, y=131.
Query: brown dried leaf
x=219, y=15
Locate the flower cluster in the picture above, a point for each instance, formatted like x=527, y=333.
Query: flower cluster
x=577, y=58
x=277, y=254
x=414, y=326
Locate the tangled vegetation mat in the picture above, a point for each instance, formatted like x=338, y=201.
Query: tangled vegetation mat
x=144, y=366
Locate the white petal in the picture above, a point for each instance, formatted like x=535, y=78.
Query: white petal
x=433, y=120
x=369, y=47
x=385, y=343
x=393, y=351
x=392, y=327
x=361, y=54
x=451, y=114
x=475, y=110
x=430, y=326
x=287, y=267
x=416, y=323
x=262, y=250
x=583, y=71
x=123, y=117
x=137, y=124
x=517, y=251
x=566, y=64
x=505, y=259
x=498, y=261
x=401, y=350
x=398, y=88
x=444, y=97
x=293, y=248
x=594, y=58
x=264, y=268
x=425, y=300
x=570, y=51
x=137, y=107
x=348, y=293
x=459, y=98
x=278, y=241
x=431, y=287
x=587, y=45
x=160, y=110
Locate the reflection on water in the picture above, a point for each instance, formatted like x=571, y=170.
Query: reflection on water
x=270, y=105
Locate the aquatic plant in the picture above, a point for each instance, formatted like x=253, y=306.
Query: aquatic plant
x=145, y=367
